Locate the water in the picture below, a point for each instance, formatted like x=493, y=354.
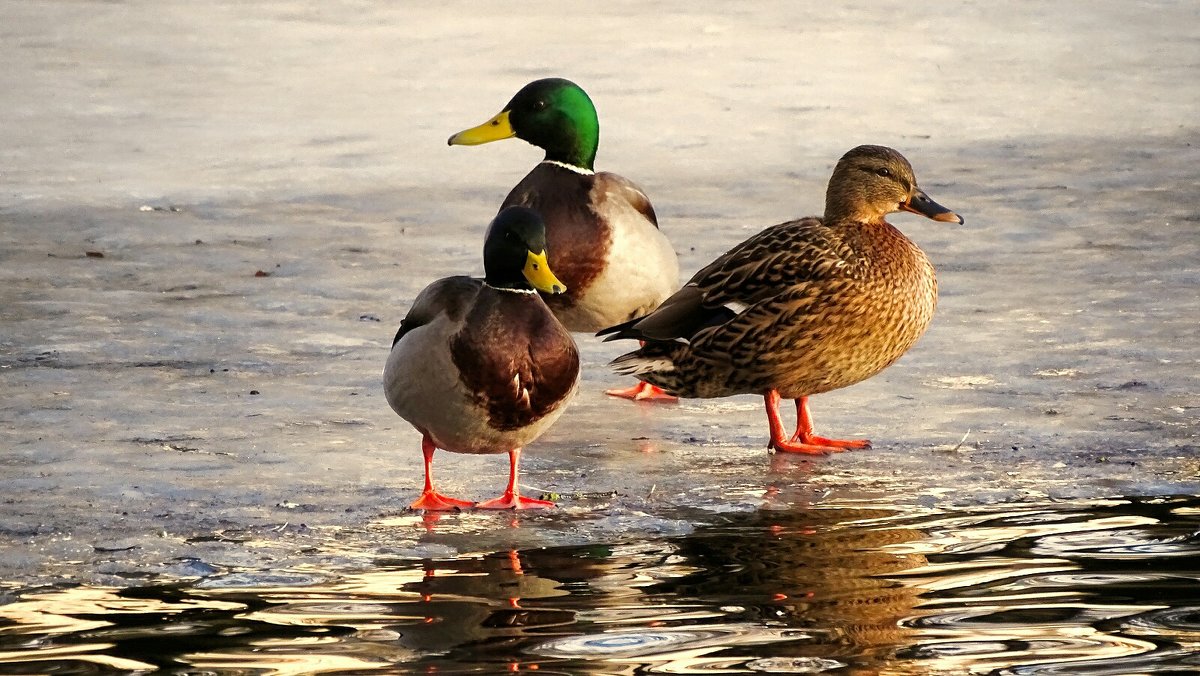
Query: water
x=1103, y=587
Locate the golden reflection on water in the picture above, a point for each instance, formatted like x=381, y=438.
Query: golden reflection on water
x=865, y=591
x=58, y=611
x=274, y=664
x=73, y=611
x=962, y=625
x=781, y=570
x=89, y=653
x=620, y=608
x=822, y=571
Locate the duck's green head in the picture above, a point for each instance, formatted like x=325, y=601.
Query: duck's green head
x=553, y=114
x=514, y=252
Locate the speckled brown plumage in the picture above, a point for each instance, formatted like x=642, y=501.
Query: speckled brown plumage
x=803, y=307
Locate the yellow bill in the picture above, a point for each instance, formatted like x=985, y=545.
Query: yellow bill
x=494, y=129
x=538, y=272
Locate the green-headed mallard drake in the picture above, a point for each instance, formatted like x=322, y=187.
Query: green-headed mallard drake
x=803, y=307
x=616, y=263
x=482, y=365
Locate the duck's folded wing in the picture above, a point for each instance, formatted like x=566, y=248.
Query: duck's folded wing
x=613, y=186
x=772, y=263
x=451, y=296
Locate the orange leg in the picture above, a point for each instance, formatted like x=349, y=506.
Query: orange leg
x=804, y=431
x=642, y=392
x=512, y=498
x=803, y=441
x=431, y=499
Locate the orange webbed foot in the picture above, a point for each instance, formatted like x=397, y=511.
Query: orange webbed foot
x=803, y=441
x=434, y=501
x=512, y=501
x=643, y=392
x=834, y=445
x=782, y=446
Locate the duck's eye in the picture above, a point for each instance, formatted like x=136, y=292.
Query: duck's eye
x=884, y=172
x=539, y=106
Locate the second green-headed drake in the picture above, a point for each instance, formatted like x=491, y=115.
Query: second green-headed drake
x=482, y=365
x=607, y=246
x=802, y=307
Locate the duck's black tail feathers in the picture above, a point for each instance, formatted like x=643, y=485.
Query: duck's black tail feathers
x=621, y=331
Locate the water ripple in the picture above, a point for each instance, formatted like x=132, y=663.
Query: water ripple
x=794, y=665
x=1111, y=587
x=644, y=643
x=1180, y=624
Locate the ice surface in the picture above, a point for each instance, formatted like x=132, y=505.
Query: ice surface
x=166, y=412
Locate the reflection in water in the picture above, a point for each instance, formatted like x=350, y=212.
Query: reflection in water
x=1050, y=590
x=1102, y=588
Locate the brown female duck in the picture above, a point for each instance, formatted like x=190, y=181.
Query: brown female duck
x=803, y=307
x=607, y=246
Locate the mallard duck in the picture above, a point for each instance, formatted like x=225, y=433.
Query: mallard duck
x=601, y=227
x=802, y=307
x=482, y=365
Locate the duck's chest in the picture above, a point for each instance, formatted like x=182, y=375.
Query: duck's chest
x=602, y=244
x=897, y=284
x=869, y=323
x=577, y=239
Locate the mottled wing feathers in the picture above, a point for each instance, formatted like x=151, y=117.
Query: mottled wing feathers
x=748, y=284
x=679, y=317
x=779, y=257
x=451, y=296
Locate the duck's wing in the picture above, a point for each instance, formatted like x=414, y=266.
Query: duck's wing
x=780, y=260
x=614, y=187
x=451, y=296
